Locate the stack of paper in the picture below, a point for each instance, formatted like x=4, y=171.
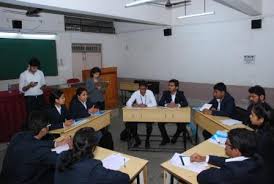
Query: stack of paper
x=60, y=149
x=231, y=122
x=205, y=106
x=115, y=161
x=79, y=121
x=179, y=160
x=219, y=138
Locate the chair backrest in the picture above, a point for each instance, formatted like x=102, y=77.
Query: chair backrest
x=73, y=80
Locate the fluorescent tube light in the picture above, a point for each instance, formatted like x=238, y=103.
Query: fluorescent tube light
x=196, y=15
x=28, y=36
x=135, y=3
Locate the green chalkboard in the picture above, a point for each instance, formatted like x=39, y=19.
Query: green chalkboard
x=16, y=53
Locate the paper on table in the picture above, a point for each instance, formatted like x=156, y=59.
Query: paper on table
x=179, y=160
x=205, y=106
x=79, y=121
x=231, y=122
x=115, y=161
x=60, y=149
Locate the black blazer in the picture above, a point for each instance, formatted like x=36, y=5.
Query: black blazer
x=227, y=106
x=237, y=172
x=57, y=119
x=179, y=99
x=78, y=110
x=89, y=171
x=29, y=160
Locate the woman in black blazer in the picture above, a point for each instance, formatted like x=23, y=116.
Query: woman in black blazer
x=79, y=165
x=80, y=106
x=58, y=114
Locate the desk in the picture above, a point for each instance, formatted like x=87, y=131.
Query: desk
x=134, y=167
x=97, y=122
x=205, y=148
x=129, y=87
x=214, y=123
x=159, y=115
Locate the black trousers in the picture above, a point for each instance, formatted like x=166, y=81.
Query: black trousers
x=34, y=103
x=162, y=127
x=133, y=127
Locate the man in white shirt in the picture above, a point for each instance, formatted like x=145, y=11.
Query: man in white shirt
x=31, y=83
x=141, y=98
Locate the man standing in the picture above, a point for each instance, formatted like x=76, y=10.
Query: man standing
x=173, y=98
x=31, y=83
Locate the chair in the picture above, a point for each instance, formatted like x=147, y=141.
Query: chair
x=73, y=81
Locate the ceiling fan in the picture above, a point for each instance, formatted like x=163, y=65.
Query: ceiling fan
x=33, y=12
x=170, y=4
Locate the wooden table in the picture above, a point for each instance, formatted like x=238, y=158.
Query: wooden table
x=214, y=123
x=159, y=115
x=134, y=167
x=97, y=122
x=187, y=176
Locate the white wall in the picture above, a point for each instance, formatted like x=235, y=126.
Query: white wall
x=204, y=50
x=108, y=8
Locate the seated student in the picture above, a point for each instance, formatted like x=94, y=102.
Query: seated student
x=58, y=113
x=263, y=120
x=80, y=106
x=243, y=167
x=223, y=104
x=141, y=98
x=79, y=165
x=29, y=159
x=173, y=98
x=256, y=96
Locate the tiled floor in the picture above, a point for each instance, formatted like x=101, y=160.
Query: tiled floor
x=155, y=158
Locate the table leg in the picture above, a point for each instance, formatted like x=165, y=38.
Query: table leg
x=196, y=136
x=184, y=136
x=145, y=175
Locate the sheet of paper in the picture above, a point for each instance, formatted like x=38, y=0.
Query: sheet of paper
x=60, y=149
x=205, y=106
x=115, y=161
x=97, y=113
x=231, y=122
x=179, y=160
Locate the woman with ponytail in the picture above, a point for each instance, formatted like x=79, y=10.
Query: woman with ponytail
x=79, y=165
x=58, y=113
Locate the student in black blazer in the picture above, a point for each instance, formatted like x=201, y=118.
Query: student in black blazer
x=243, y=167
x=173, y=98
x=58, y=113
x=256, y=96
x=29, y=159
x=79, y=165
x=80, y=106
x=263, y=122
x=223, y=104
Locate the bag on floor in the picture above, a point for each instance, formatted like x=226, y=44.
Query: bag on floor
x=106, y=141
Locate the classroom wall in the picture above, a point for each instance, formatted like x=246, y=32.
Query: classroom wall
x=204, y=50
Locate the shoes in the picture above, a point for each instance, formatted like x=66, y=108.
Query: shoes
x=147, y=145
x=137, y=142
x=165, y=141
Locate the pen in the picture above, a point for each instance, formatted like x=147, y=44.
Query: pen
x=124, y=162
x=182, y=160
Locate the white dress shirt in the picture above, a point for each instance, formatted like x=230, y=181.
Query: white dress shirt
x=27, y=77
x=219, y=104
x=84, y=104
x=235, y=159
x=148, y=99
x=173, y=96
